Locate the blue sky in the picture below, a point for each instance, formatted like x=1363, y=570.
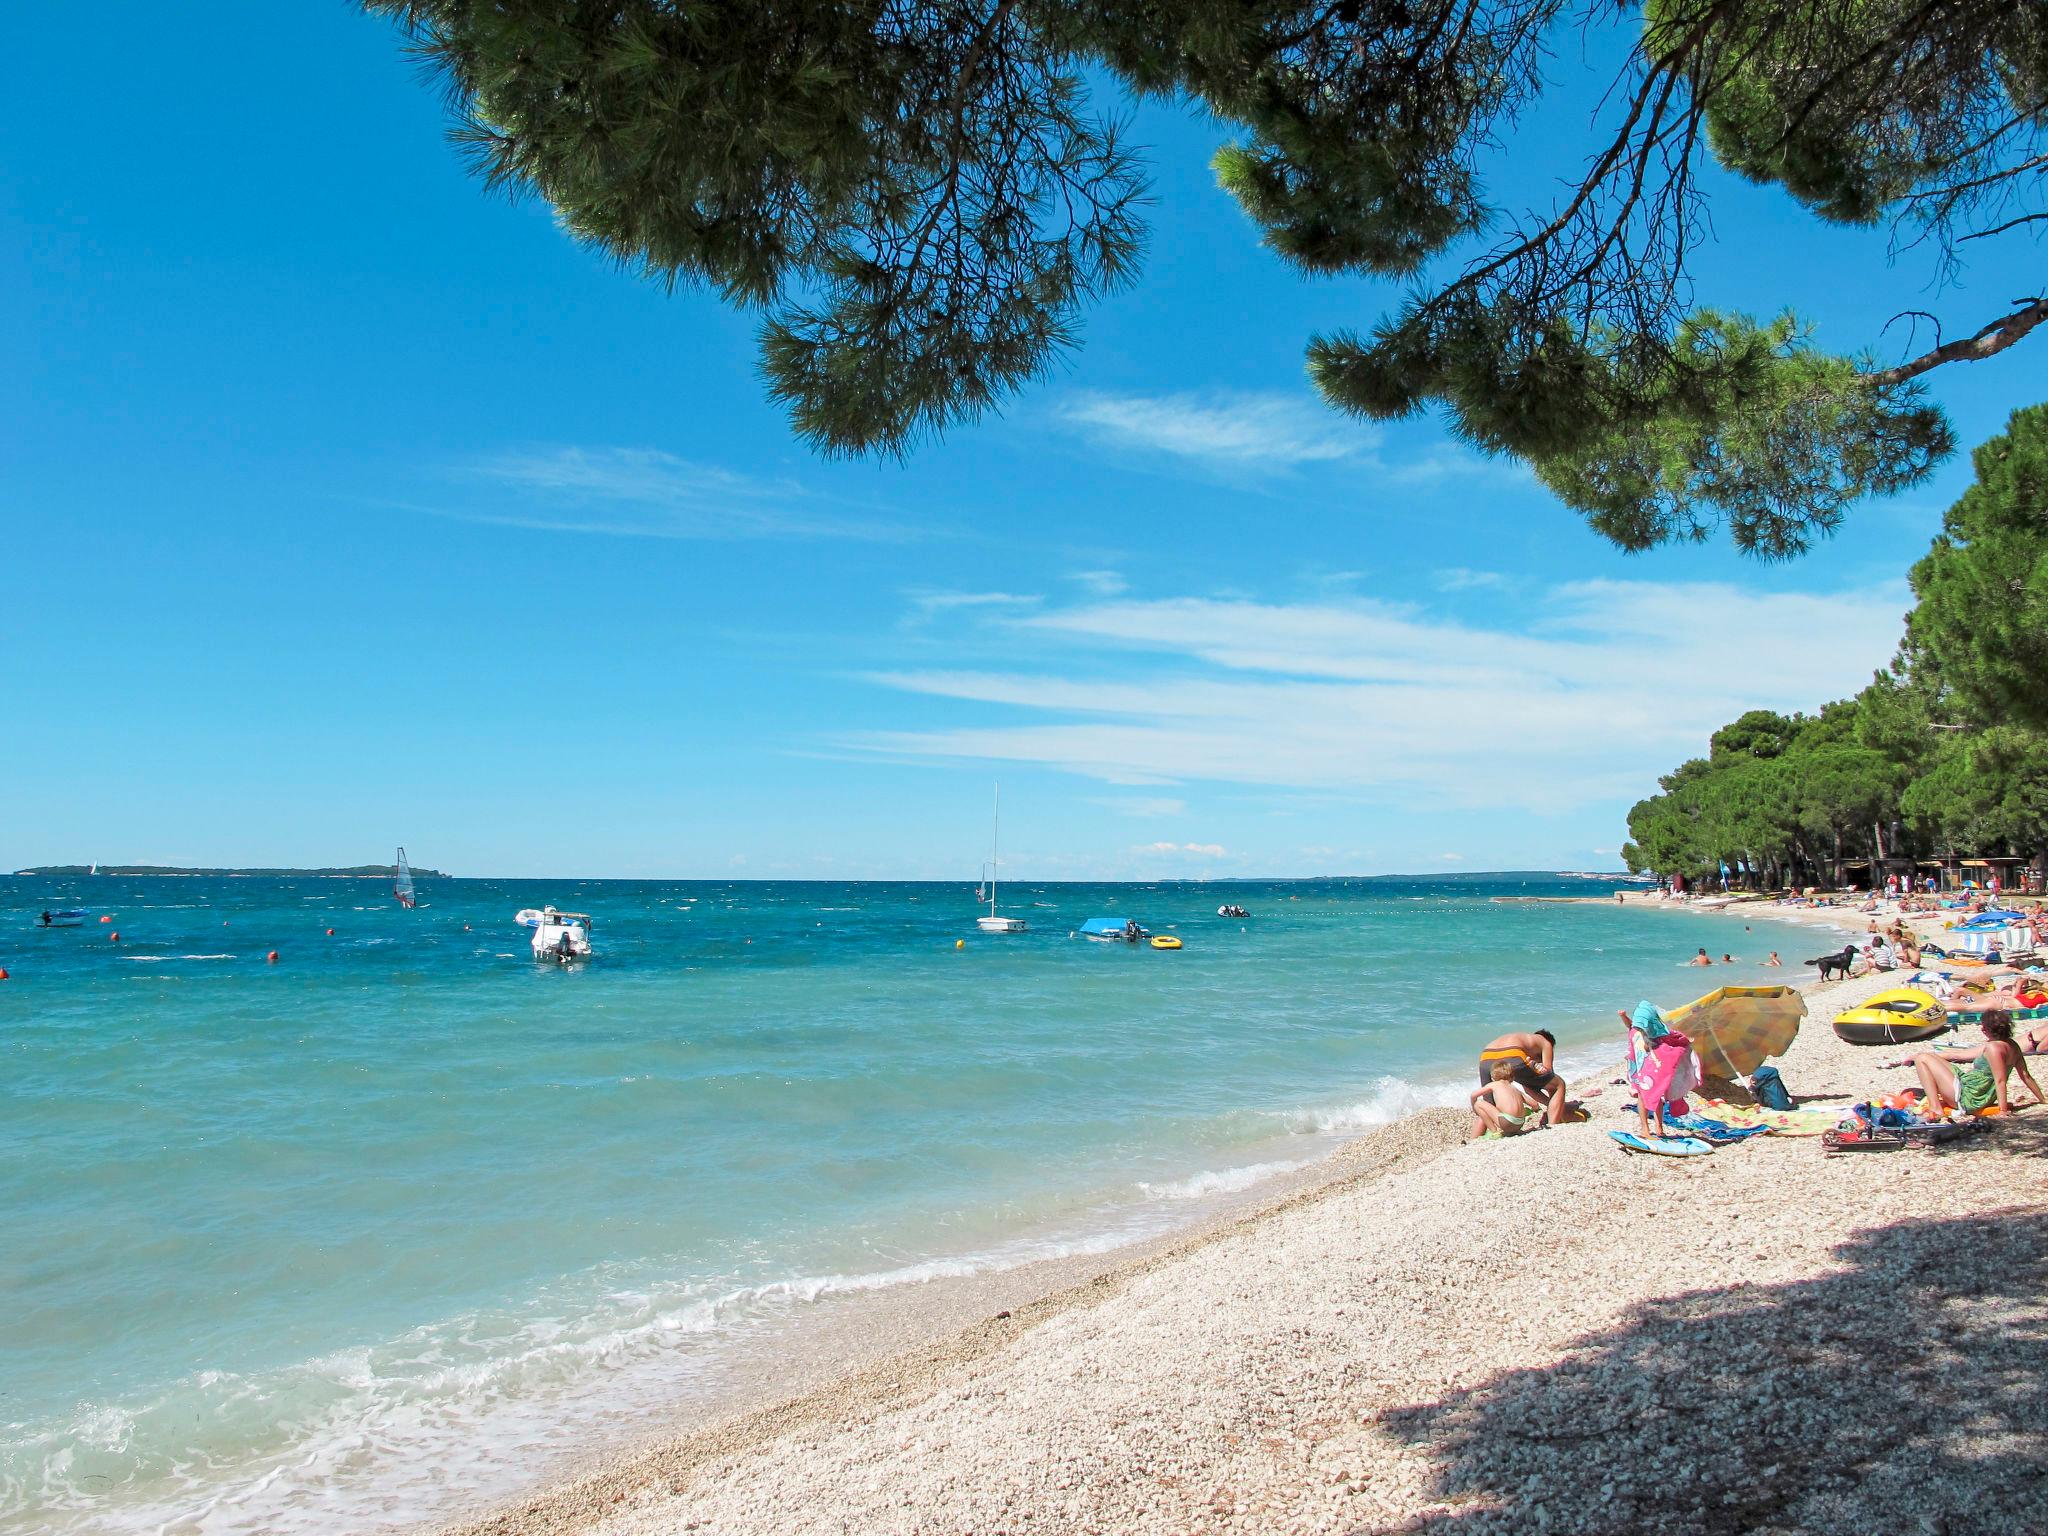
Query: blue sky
x=349, y=506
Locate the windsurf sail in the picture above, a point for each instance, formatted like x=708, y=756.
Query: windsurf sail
x=401, y=884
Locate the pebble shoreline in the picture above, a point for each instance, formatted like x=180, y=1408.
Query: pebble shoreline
x=1531, y=1335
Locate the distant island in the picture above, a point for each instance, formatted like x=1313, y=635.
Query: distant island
x=352, y=872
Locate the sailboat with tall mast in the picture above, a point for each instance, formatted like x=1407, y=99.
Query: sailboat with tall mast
x=993, y=922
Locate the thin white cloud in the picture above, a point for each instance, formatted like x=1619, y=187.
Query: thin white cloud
x=1450, y=462
x=1457, y=578
x=1142, y=805
x=646, y=493
x=1613, y=684
x=1198, y=850
x=928, y=606
x=1227, y=428
x=1101, y=583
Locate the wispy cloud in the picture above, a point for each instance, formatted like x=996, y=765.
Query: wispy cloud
x=1455, y=463
x=1611, y=684
x=1101, y=583
x=646, y=493
x=1143, y=805
x=1198, y=850
x=1221, y=428
x=927, y=606
x=1457, y=578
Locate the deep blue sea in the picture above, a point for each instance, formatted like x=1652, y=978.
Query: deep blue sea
x=352, y=1238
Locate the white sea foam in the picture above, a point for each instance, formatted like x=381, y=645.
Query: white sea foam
x=457, y=1412
x=1224, y=1181
x=1392, y=1099
x=160, y=959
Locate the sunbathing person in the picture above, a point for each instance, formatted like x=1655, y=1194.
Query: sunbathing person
x=1982, y=1082
x=1504, y=1106
x=1532, y=1059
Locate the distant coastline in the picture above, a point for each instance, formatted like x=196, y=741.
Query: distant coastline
x=383, y=871
x=352, y=872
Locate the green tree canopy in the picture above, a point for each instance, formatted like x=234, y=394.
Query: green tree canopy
x=1981, y=624
x=918, y=197
x=1944, y=753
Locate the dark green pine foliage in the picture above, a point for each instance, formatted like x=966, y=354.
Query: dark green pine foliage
x=918, y=199
x=914, y=197
x=1981, y=622
x=1944, y=753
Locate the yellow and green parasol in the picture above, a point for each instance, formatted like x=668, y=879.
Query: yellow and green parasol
x=1736, y=1029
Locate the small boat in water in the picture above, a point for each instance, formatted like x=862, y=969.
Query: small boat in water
x=992, y=921
x=562, y=936
x=69, y=917
x=401, y=883
x=1113, y=930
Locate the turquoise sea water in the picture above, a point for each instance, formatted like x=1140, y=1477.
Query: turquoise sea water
x=354, y=1237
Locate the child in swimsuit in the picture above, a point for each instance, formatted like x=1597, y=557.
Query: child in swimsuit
x=1504, y=1106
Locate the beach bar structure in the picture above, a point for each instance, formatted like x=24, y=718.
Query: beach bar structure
x=2014, y=874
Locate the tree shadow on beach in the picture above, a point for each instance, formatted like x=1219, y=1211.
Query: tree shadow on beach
x=1907, y=1392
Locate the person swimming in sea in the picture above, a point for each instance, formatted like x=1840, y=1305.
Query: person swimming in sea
x=1504, y=1106
x=1774, y=960
x=1702, y=958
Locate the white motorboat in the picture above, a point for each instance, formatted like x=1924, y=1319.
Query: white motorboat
x=562, y=936
x=993, y=922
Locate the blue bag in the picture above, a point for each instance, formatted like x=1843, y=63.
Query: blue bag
x=1769, y=1088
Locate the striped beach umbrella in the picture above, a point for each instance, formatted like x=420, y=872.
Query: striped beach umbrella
x=1988, y=941
x=1736, y=1029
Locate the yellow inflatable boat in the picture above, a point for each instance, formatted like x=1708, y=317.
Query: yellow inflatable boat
x=1166, y=941
x=1897, y=1017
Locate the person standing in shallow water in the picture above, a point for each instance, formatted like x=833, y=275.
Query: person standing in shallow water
x=1702, y=958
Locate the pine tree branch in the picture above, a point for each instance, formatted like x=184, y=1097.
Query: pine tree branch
x=1988, y=342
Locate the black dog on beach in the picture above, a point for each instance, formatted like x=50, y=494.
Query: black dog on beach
x=1841, y=962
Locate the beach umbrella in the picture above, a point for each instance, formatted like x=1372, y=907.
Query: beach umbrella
x=1736, y=1029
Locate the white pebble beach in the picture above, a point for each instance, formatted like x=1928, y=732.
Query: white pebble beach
x=1532, y=1335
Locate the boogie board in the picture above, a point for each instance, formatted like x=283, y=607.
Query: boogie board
x=1670, y=1146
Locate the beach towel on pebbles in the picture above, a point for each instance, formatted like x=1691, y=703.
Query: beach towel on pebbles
x=1780, y=1122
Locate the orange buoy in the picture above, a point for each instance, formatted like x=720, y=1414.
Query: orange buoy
x=106, y=919
x=114, y=937
x=3, y=973
x=330, y=933
x=271, y=957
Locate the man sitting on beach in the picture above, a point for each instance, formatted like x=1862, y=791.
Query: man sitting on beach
x=1531, y=1060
